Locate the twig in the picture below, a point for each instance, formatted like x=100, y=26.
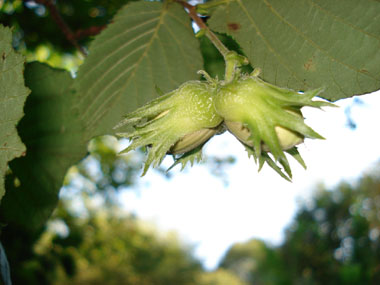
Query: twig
x=91, y=31
x=213, y=38
x=232, y=59
x=62, y=24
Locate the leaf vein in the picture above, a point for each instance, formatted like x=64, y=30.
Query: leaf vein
x=131, y=52
x=311, y=42
x=270, y=47
x=148, y=45
x=339, y=19
x=185, y=57
x=127, y=31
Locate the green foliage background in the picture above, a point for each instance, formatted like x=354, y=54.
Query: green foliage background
x=143, y=47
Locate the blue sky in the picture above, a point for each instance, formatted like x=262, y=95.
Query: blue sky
x=211, y=215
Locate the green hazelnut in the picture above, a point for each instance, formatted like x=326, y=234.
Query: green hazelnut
x=175, y=123
x=266, y=118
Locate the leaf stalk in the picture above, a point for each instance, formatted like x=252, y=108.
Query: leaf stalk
x=232, y=60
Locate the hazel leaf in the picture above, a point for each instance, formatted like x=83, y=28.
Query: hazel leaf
x=148, y=45
x=305, y=45
x=13, y=94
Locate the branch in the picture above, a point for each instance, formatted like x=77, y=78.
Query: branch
x=61, y=24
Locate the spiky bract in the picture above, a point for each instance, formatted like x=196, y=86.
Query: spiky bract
x=175, y=123
x=266, y=118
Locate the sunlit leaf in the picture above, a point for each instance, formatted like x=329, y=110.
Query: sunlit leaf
x=148, y=45
x=12, y=97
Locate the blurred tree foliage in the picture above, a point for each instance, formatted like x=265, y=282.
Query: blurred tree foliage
x=334, y=239
x=104, y=246
x=90, y=240
x=82, y=183
x=34, y=26
x=219, y=277
x=104, y=172
x=255, y=263
x=38, y=36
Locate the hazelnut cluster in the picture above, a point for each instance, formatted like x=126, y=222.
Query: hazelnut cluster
x=265, y=118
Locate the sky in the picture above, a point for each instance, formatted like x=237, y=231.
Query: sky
x=211, y=215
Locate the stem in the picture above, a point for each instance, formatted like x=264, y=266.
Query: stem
x=62, y=24
x=233, y=62
x=215, y=3
x=91, y=31
x=232, y=59
x=217, y=43
x=212, y=37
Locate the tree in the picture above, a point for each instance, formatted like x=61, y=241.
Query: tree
x=255, y=262
x=104, y=246
x=334, y=239
x=219, y=277
x=148, y=49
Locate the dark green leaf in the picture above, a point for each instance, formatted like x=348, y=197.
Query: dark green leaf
x=52, y=135
x=148, y=45
x=12, y=97
x=307, y=44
